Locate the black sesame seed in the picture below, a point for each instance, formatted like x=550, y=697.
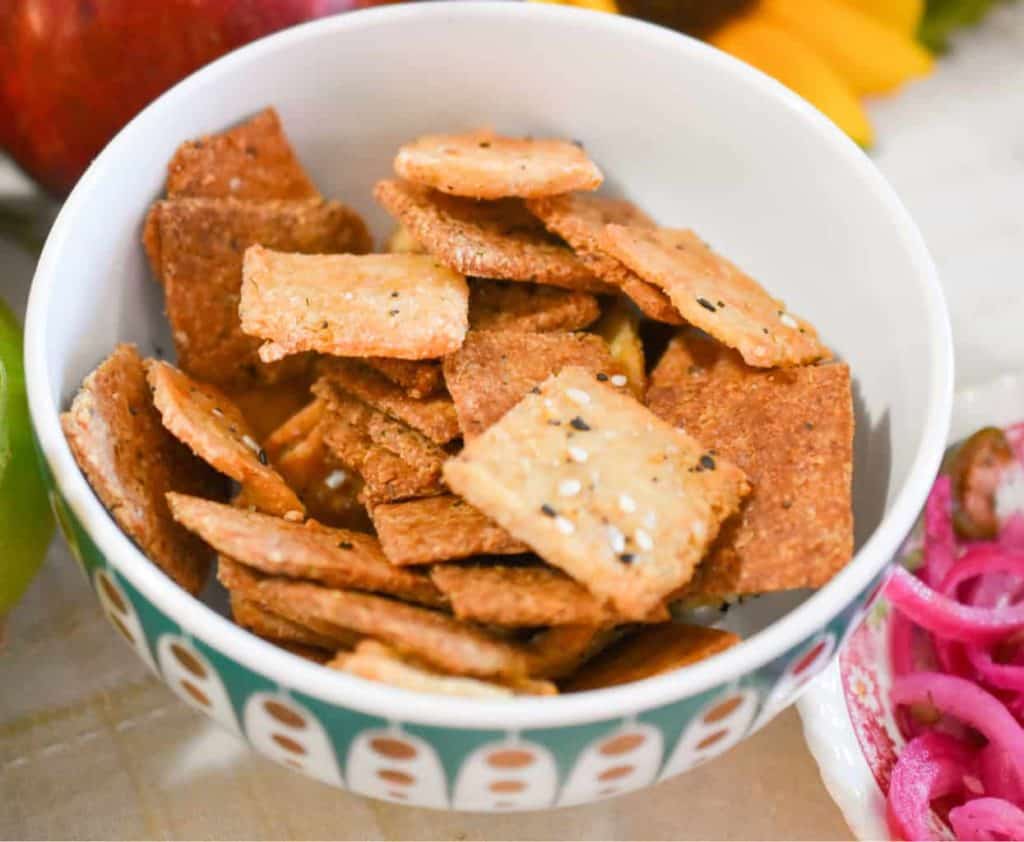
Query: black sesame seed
x=554, y=422
x=627, y=558
x=720, y=303
x=808, y=425
x=723, y=607
x=132, y=410
x=707, y=462
x=392, y=312
x=535, y=390
x=485, y=144
x=262, y=456
x=345, y=545
x=602, y=376
x=323, y=326
x=707, y=305
x=787, y=504
x=764, y=330
x=394, y=294
x=548, y=510
x=578, y=423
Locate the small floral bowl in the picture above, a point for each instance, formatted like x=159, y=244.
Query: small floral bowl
x=699, y=138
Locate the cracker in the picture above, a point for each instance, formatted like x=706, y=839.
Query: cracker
x=202, y=242
x=205, y=419
x=253, y=160
x=402, y=242
x=151, y=240
x=619, y=327
x=310, y=653
x=485, y=165
x=492, y=371
x=267, y=407
x=529, y=308
x=715, y=295
x=131, y=461
x=559, y=651
x=523, y=596
x=487, y=239
x=600, y=487
x=249, y=615
x=338, y=558
x=434, y=417
x=791, y=431
x=579, y=219
x=648, y=652
x=294, y=429
x=419, y=378
x=392, y=305
x=438, y=529
x=376, y=662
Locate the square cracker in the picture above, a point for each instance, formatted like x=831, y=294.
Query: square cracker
x=485, y=165
x=434, y=417
x=489, y=374
x=791, y=431
x=204, y=418
x=338, y=558
x=131, y=461
x=579, y=219
x=716, y=295
x=523, y=596
x=202, y=242
x=253, y=160
x=437, y=529
x=249, y=615
x=487, y=239
x=529, y=308
x=392, y=305
x=648, y=652
x=600, y=487
x=419, y=378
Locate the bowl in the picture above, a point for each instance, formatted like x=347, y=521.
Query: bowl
x=696, y=138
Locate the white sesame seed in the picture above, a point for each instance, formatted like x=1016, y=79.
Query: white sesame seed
x=578, y=454
x=699, y=531
x=788, y=320
x=616, y=538
x=643, y=540
x=681, y=429
x=565, y=526
x=276, y=557
x=569, y=487
x=348, y=296
x=650, y=520
x=293, y=516
x=251, y=443
x=335, y=479
x=550, y=404
x=627, y=503
x=619, y=380
x=578, y=396
x=234, y=184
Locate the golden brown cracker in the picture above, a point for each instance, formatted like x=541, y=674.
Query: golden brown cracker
x=131, y=461
x=619, y=327
x=485, y=165
x=337, y=558
x=419, y=378
x=437, y=529
x=402, y=242
x=492, y=371
x=205, y=419
x=252, y=160
x=434, y=417
x=715, y=295
x=250, y=616
x=151, y=240
x=202, y=242
x=486, y=239
x=392, y=305
x=294, y=429
x=579, y=219
x=559, y=651
x=266, y=407
x=791, y=431
x=529, y=308
x=600, y=487
x=650, y=651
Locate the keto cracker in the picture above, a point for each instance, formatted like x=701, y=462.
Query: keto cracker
x=791, y=431
x=528, y=308
x=492, y=371
x=338, y=558
x=715, y=295
x=205, y=419
x=131, y=461
x=600, y=487
x=485, y=165
x=392, y=305
x=419, y=378
x=619, y=327
x=249, y=615
x=558, y=651
x=486, y=239
x=437, y=529
x=202, y=242
x=579, y=219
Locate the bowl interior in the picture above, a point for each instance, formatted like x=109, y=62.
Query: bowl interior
x=687, y=133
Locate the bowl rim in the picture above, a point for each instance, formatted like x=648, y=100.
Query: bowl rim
x=521, y=713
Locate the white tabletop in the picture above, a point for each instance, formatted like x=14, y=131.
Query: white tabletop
x=92, y=747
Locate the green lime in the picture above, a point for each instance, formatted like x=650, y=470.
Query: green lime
x=26, y=523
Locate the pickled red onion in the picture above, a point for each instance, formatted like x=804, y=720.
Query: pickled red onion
x=998, y=775
x=987, y=818
x=939, y=539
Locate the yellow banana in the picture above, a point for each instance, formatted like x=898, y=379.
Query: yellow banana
x=903, y=16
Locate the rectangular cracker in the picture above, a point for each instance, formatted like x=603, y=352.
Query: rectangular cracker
x=492, y=371
x=204, y=418
x=791, y=431
x=579, y=219
x=419, y=378
x=250, y=616
x=338, y=558
x=558, y=651
x=252, y=160
x=391, y=305
x=486, y=239
x=619, y=327
x=484, y=165
x=202, y=242
x=131, y=461
x=374, y=661
x=600, y=487
x=528, y=308
x=437, y=529
x=434, y=417
x=523, y=596
x=648, y=652
x=715, y=295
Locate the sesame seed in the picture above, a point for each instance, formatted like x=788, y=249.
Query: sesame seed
x=218, y=412
x=234, y=184
x=550, y=404
x=578, y=423
x=601, y=376
x=293, y=516
x=626, y=558
x=707, y=305
x=565, y=526
x=699, y=531
x=707, y=462
x=275, y=556
x=578, y=396
x=335, y=479
x=251, y=443
x=616, y=538
x=650, y=520
x=569, y=487
x=627, y=503
x=643, y=540
x=345, y=545
x=261, y=454
x=788, y=320
x=548, y=510
x=347, y=296
x=578, y=454
x=619, y=380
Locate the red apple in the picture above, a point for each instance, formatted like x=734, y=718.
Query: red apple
x=73, y=72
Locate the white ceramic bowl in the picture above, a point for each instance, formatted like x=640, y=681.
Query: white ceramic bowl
x=696, y=138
